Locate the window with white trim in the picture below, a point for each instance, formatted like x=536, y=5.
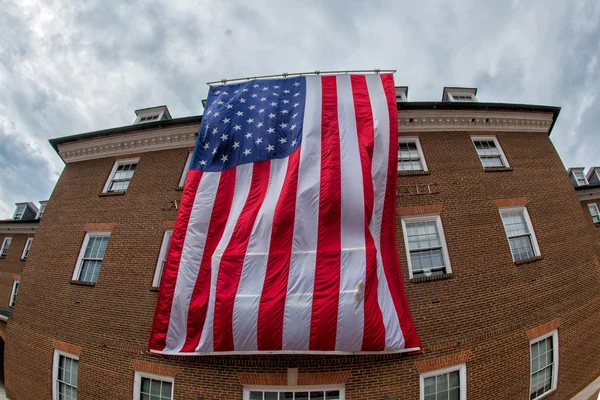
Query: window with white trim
x=489, y=151
x=149, y=118
x=544, y=365
x=26, y=249
x=425, y=244
x=461, y=97
x=65, y=374
x=579, y=178
x=41, y=210
x=19, y=212
x=447, y=384
x=333, y=392
x=121, y=175
x=91, y=256
x=5, y=246
x=410, y=155
x=13, y=293
x=152, y=387
x=186, y=168
x=593, y=207
x=520, y=234
x=162, y=257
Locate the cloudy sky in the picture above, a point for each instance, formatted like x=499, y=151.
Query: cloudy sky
x=69, y=67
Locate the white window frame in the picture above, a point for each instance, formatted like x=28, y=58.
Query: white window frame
x=186, y=168
x=495, y=140
x=160, y=114
x=471, y=95
x=162, y=255
x=6, y=242
x=137, y=382
x=594, y=206
x=14, y=292
x=536, y=248
x=41, y=210
x=17, y=211
x=114, y=171
x=426, y=218
x=57, y=354
x=411, y=139
x=462, y=376
x=554, y=335
x=86, y=240
x=26, y=249
x=248, y=389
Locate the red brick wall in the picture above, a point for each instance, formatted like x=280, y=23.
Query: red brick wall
x=12, y=265
x=485, y=310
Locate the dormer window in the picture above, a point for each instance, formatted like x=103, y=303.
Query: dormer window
x=592, y=176
x=19, y=212
x=459, y=94
x=578, y=177
x=401, y=93
x=41, y=210
x=25, y=211
x=152, y=114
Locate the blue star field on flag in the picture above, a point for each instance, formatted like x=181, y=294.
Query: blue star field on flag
x=250, y=122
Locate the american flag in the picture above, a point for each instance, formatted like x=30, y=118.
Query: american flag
x=285, y=237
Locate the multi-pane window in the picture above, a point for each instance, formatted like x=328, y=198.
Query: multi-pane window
x=544, y=365
x=162, y=258
x=19, y=212
x=66, y=371
x=121, y=175
x=489, y=152
x=14, y=292
x=41, y=210
x=426, y=246
x=186, y=168
x=579, y=178
x=593, y=207
x=26, y=248
x=521, y=237
x=152, y=387
x=5, y=245
x=410, y=155
x=149, y=118
x=446, y=384
x=91, y=256
x=295, y=394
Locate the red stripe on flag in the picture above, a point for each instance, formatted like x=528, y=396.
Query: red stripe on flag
x=273, y=296
x=200, y=296
x=374, y=329
x=162, y=314
x=232, y=261
x=388, y=228
x=323, y=325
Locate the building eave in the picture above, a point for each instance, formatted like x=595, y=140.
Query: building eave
x=18, y=226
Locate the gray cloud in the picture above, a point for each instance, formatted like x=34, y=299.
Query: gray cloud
x=71, y=67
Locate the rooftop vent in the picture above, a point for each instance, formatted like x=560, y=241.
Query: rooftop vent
x=152, y=114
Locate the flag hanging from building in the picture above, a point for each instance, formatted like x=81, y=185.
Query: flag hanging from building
x=285, y=237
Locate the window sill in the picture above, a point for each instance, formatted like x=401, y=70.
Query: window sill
x=597, y=224
x=107, y=194
x=82, y=283
x=179, y=188
x=413, y=173
x=23, y=259
x=154, y=289
x=431, y=278
x=528, y=260
x=497, y=169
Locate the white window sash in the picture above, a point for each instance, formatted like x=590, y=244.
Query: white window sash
x=534, y=242
x=440, y=228
x=462, y=376
x=554, y=335
x=452, y=97
x=248, y=389
x=413, y=139
x=5, y=245
x=593, y=207
x=162, y=256
x=491, y=139
x=57, y=354
x=26, y=249
x=14, y=293
x=86, y=240
x=186, y=168
x=137, y=382
x=114, y=171
x=41, y=210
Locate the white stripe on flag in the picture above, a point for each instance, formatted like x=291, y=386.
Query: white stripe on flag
x=243, y=179
x=191, y=255
x=247, y=300
x=298, y=302
x=350, y=322
x=381, y=121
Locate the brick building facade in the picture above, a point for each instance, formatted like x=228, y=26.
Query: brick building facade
x=512, y=297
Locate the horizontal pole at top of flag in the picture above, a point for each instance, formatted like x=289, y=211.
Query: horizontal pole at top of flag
x=286, y=75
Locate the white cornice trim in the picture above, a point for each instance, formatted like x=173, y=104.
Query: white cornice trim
x=129, y=143
x=19, y=228
x=473, y=120
x=588, y=194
